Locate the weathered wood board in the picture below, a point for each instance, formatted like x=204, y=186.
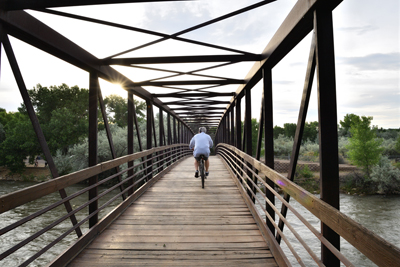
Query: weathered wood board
x=177, y=223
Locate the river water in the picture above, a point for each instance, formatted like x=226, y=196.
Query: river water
x=379, y=214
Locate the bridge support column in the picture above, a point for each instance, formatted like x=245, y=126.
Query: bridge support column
x=93, y=137
x=248, y=136
x=149, y=123
x=131, y=107
x=327, y=112
x=268, y=139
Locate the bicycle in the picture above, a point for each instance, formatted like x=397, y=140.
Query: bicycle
x=202, y=170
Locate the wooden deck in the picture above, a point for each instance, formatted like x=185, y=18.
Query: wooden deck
x=177, y=223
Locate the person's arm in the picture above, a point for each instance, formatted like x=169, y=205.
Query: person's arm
x=192, y=144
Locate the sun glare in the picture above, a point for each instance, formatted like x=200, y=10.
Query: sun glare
x=108, y=88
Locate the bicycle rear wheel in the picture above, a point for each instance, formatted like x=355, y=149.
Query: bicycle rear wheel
x=202, y=172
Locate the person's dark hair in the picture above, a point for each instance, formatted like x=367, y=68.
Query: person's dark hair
x=202, y=130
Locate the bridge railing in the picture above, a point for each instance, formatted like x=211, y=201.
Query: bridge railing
x=252, y=180
x=148, y=166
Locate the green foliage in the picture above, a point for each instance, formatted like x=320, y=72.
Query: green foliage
x=309, y=151
x=46, y=100
x=290, y=129
x=386, y=177
x=283, y=146
x=303, y=172
x=2, y=133
x=19, y=143
x=397, y=145
x=364, y=148
x=278, y=131
x=117, y=109
x=348, y=120
x=310, y=132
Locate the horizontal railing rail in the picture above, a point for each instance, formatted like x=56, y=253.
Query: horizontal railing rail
x=149, y=166
x=251, y=173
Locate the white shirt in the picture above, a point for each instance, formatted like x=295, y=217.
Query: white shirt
x=201, y=143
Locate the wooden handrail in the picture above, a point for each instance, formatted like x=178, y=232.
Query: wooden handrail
x=371, y=245
x=20, y=197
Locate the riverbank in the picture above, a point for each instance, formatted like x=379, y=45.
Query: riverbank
x=33, y=174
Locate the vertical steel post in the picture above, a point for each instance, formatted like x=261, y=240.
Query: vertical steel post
x=169, y=137
x=228, y=127
x=269, y=139
x=149, y=123
x=328, y=135
x=238, y=130
x=161, y=135
x=131, y=107
x=232, y=126
x=174, y=126
x=238, y=124
x=93, y=140
x=248, y=135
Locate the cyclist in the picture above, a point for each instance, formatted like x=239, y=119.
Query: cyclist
x=201, y=144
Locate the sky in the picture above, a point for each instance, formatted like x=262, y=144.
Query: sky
x=367, y=52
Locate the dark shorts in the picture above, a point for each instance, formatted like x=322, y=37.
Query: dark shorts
x=199, y=157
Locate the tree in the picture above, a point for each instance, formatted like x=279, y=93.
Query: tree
x=62, y=112
x=20, y=142
x=117, y=109
x=310, y=131
x=364, y=147
x=290, y=129
x=278, y=131
x=348, y=120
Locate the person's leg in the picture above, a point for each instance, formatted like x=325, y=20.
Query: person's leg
x=196, y=166
x=207, y=164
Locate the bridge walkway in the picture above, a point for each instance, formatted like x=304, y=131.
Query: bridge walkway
x=177, y=223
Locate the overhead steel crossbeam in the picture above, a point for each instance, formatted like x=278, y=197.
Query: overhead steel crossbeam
x=64, y=14
x=30, y=4
x=215, y=102
x=179, y=73
x=190, y=82
x=294, y=28
x=202, y=95
x=181, y=59
x=25, y=27
x=173, y=36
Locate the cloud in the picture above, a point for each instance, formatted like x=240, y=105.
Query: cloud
x=378, y=61
x=359, y=30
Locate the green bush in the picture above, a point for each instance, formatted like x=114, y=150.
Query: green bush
x=386, y=177
x=304, y=172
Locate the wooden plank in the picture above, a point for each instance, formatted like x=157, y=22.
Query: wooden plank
x=167, y=254
x=177, y=223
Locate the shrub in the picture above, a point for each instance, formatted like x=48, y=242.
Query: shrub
x=304, y=172
x=386, y=177
x=283, y=146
